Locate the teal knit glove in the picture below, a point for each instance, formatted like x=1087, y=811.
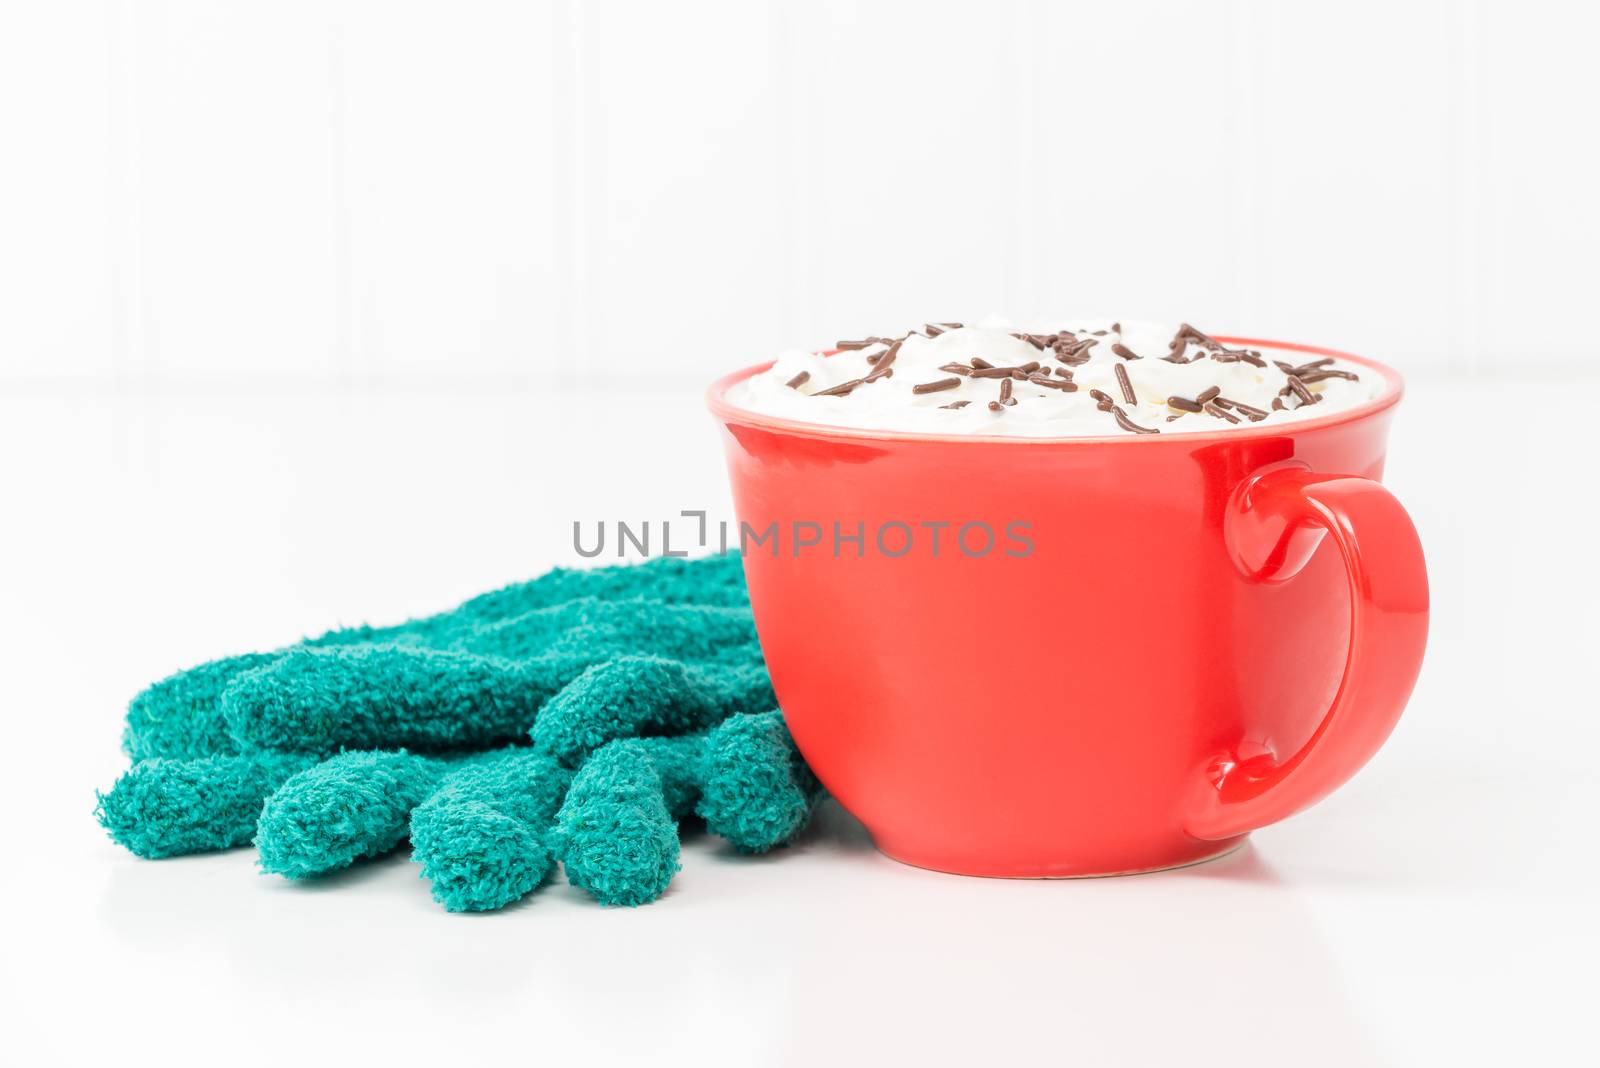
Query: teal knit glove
x=641, y=689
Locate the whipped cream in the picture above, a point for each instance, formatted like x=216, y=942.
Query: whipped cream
x=1073, y=380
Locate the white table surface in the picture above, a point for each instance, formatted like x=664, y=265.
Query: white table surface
x=1439, y=909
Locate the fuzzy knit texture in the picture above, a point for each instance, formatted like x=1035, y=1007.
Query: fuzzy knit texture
x=552, y=628
x=574, y=717
x=616, y=833
x=335, y=813
x=483, y=839
x=755, y=791
x=639, y=695
x=181, y=716
x=166, y=808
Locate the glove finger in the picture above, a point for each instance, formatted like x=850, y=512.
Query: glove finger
x=166, y=808
x=616, y=833
x=631, y=696
x=483, y=837
x=757, y=792
x=341, y=810
x=622, y=698
x=381, y=697
x=181, y=716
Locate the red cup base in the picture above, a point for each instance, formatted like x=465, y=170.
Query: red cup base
x=1202, y=853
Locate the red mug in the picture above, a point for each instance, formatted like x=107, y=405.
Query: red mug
x=1207, y=633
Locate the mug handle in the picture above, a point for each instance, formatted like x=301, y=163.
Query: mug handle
x=1274, y=522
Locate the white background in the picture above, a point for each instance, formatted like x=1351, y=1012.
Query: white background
x=319, y=312
x=373, y=195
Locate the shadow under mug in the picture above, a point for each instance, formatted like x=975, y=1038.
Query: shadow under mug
x=1206, y=633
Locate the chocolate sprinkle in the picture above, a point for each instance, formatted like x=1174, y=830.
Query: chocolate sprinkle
x=1070, y=349
x=1226, y=355
x=1179, y=345
x=881, y=366
x=1128, y=424
x=1300, y=390
x=1255, y=414
x=841, y=390
x=1075, y=352
x=1127, y=386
